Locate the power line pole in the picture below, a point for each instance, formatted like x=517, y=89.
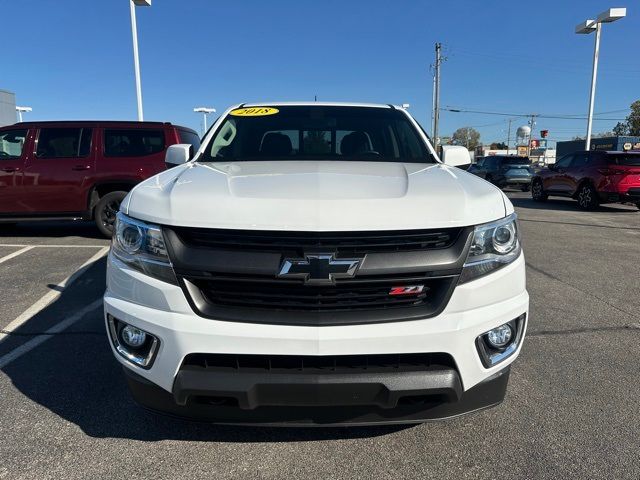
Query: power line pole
x=509, y=135
x=533, y=123
x=433, y=102
x=436, y=107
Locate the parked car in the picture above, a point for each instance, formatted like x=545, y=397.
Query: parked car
x=79, y=170
x=316, y=263
x=504, y=171
x=591, y=177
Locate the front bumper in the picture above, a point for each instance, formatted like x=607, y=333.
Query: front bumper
x=322, y=408
x=162, y=310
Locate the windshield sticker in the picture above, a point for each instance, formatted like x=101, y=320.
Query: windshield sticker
x=254, y=112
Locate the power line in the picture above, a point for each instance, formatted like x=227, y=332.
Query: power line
x=561, y=117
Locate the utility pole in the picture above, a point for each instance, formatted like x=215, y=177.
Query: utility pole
x=433, y=102
x=509, y=135
x=533, y=124
x=436, y=107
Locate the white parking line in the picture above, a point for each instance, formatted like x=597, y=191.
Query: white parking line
x=57, y=328
x=49, y=297
x=15, y=254
x=18, y=245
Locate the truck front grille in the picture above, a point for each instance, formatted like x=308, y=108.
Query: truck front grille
x=344, y=295
x=235, y=275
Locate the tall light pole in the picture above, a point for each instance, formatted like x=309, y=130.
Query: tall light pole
x=436, y=103
x=205, y=111
x=22, y=110
x=586, y=27
x=136, y=61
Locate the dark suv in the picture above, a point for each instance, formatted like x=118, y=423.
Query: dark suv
x=79, y=170
x=591, y=177
x=504, y=171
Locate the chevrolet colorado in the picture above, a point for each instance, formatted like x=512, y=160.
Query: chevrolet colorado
x=316, y=263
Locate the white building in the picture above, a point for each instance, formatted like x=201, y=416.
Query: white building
x=7, y=108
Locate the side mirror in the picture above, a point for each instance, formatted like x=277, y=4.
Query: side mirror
x=455, y=156
x=178, y=154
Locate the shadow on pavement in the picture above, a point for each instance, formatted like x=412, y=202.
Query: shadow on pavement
x=570, y=205
x=50, y=229
x=74, y=375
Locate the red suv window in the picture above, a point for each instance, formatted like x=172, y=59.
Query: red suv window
x=133, y=143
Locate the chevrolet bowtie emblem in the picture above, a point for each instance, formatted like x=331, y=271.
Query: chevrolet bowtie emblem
x=319, y=269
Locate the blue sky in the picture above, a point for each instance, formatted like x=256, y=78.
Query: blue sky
x=72, y=59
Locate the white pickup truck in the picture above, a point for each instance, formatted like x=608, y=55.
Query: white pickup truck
x=316, y=263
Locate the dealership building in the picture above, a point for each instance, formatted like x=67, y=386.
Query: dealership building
x=7, y=108
x=621, y=144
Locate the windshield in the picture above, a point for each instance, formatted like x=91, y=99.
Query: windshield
x=317, y=133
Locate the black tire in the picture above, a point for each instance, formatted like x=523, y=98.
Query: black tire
x=587, y=197
x=537, y=192
x=525, y=188
x=105, y=211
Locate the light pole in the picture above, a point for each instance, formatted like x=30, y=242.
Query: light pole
x=586, y=27
x=136, y=61
x=205, y=111
x=22, y=110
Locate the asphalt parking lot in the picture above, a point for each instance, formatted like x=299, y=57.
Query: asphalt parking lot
x=571, y=410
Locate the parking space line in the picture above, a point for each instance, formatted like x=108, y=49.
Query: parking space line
x=15, y=254
x=18, y=245
x=57, y=328
x=49, y=297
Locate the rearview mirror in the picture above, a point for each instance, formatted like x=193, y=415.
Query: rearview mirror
x=178, y=154
x=455, y=156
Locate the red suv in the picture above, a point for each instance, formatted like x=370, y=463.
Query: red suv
x=79, y=170
x=591, y=177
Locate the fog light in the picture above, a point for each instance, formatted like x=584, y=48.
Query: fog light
x=498, y=344
x=134, y=337
x=500, y=336
x=133, y=344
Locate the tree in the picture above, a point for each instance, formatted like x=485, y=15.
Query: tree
x=603, y=135
x=498, y=146
x=633, y=120
x=631, y=126
x=620, y=129
x=467, y=137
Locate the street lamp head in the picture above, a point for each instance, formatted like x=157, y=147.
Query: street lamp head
x=611, y=15
x=142, y=3
x=24, y=109
x=587, y=26
x=204, y=110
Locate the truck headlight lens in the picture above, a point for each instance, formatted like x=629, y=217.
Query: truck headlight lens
x=494, y=245
x=141, y=246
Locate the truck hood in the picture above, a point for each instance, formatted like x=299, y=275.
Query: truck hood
x=316, y=196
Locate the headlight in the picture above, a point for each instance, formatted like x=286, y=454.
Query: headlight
x=141, y=246
x=494, y=245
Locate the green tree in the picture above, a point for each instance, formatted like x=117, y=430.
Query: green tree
x=633, y=120
x=467, y=137
x=620, y=129
x=498, y=146
x=631, y=126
